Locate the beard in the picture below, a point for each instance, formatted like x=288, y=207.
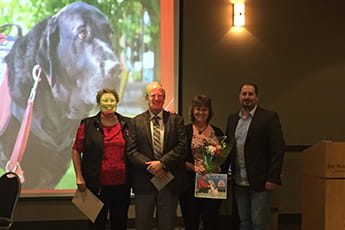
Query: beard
x=248, y=105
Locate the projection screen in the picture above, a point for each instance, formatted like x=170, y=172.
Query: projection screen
x=55, y=56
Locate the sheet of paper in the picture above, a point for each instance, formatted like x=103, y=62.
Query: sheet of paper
x=161, y=184
x=87, y=203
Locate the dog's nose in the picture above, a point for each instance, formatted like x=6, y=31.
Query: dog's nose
x=112, y=67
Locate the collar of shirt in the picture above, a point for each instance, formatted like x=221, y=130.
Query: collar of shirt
x=160, y=115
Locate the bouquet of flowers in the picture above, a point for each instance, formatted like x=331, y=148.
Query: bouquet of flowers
x=215, y=153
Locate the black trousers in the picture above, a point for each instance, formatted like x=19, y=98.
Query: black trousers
x=194, y=210
x=116, y=202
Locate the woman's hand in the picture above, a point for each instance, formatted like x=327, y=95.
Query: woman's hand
x=81, y=185
x=200, y=169
x=195, y=168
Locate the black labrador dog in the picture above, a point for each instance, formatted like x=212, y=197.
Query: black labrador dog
x=73, y=49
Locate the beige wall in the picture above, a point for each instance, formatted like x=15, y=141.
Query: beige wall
x=293, y=50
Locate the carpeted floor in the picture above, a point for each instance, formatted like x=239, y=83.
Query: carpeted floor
x=285, y=222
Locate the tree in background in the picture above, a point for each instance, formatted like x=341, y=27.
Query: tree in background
x=135, y=24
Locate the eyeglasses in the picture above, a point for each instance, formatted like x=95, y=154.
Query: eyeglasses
x=157, y=95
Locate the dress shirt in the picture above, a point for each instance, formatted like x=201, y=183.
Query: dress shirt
x=241, y=135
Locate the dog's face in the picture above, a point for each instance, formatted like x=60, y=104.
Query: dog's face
x=80, y=57
x=74, y=50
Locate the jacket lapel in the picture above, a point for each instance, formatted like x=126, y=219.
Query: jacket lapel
x=166, y=128
x=233, y=124
x=253, y=123
x=146, y=126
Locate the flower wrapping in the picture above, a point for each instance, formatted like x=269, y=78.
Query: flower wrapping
x=215, y=152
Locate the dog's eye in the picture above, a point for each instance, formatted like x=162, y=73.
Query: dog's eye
x=82, y=35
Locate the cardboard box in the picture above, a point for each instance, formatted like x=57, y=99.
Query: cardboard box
x=323, y=203
x=325, y=159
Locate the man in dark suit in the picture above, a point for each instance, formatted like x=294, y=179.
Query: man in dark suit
x=151, y=161
x=256, y=159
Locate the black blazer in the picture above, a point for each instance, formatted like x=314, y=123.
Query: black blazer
x=140, y=150
x=263, y=149
x=189, y=155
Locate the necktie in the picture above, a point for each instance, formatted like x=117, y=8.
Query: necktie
x=157, y=150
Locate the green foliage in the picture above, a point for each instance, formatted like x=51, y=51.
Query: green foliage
x=68, y=180
x=125, y=17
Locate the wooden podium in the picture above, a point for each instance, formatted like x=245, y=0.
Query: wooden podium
x=323, y=187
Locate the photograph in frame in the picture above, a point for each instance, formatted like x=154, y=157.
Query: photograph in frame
x=213, y=185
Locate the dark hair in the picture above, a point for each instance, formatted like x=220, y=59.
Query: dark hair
x=251, y=84
x=106, y=90
x=201, y=100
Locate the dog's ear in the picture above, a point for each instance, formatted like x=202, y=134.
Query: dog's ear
x=47, y=53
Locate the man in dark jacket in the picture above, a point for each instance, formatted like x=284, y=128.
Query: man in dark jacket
x=157, y=162
x=256, y=158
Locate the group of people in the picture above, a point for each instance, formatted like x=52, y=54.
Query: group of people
x=113, y=154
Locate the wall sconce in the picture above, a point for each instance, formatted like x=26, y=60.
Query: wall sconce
x=238, y=14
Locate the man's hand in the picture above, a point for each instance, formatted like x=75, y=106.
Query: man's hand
x=153, y=166
x=270, y=186
x=162, y=175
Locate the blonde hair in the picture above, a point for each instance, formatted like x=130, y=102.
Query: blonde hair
x=154, y=84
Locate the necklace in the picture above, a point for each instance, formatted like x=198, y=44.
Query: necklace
x=200, y=131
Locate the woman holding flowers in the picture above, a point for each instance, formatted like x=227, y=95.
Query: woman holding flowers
x=196, y=210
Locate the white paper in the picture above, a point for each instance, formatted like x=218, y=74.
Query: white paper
x=87, y=203
x=161, y=184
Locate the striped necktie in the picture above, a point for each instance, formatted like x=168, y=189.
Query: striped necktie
x=157, y=150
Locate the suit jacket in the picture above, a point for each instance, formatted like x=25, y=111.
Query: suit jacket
x=263, y=149
x=140, y=150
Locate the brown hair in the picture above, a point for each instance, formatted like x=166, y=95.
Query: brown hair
x=201, y=100
x=106, y=90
